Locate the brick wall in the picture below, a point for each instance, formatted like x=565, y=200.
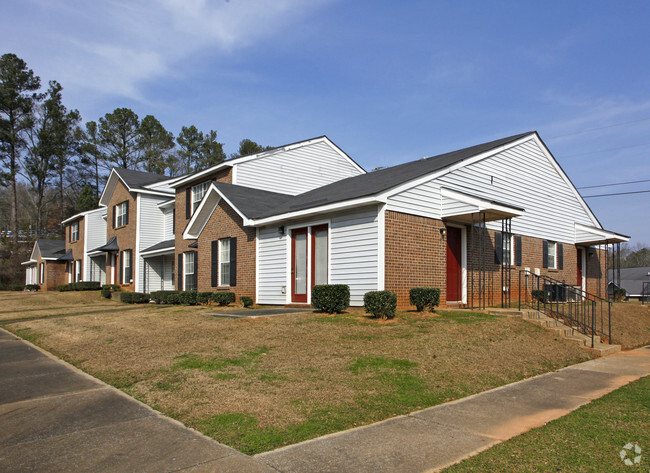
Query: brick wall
x=54, y=275
x=226, y=223
x=224, y=175
x=125, y=235
x=77, y=247
x=416, y=255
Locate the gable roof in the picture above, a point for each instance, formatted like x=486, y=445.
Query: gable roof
x=382, y=180
x=50, y=248
x=135, y=181
x=241, y=159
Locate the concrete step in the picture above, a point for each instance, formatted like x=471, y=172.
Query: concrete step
x=603, y=349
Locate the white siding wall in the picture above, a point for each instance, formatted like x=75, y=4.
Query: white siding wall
x=354, y=248
x=169, y=224
x=152, y=231
x=296, y=171
x=423, y=200
x=153, y=274
x=523, y=177
x=354, y=256
x=95, y=231
x=272, y=267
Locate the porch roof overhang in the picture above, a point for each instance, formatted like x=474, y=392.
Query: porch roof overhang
x=587, y=235
x=111, y=245
x=466, y=208
x=28, y=263
x=163, y=248
x=67, y=256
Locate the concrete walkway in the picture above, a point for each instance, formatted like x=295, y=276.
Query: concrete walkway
x=55, y=418
x=434, y=438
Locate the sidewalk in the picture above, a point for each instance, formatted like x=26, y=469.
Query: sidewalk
x=55, y=418
x=434, y=438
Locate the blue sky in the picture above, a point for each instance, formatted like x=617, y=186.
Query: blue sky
x=387, y=81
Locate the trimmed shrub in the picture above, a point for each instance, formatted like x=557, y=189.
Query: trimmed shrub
x=64, y=287
x=538, y=295
x=246, y=301
x=173, y=298
x=30, y=287
x=106, y=293
x=187, y=297
x=425, y=298
x=86, y=286
x=223, y=297
x=134, y=297
x=161, y=297
x=330, y=298
x=203, y=297
x=16, y=287
x=380, y=303
x=112, y=287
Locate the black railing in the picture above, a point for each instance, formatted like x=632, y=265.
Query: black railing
x=584, y=312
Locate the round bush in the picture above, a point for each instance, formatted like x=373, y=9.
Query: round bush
x=380, y=303
x=425, y=298
x=330, y=298
x=223, y=297
x=246, y=301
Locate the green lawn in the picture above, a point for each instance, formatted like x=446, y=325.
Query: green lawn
x=587, y=440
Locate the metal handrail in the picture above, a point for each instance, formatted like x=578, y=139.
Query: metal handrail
x=586, y=313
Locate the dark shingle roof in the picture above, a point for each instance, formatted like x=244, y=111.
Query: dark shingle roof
x=111, y=245
x=252, y=202
x=632, y=279
x=163, y=245
x=51, y=248
x=67, y=256
x=136, y=179
x=255, y=203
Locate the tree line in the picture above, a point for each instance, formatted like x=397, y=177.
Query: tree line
x=53, y=165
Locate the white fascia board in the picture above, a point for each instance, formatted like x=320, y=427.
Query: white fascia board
x=135, y=261
x=167, y=204
x=163, y=251
x=31, y=255
x=150, y=192
x=110, y=181
x=347, y=204
x=441, y=172
x=343, y=154
x=202, y=214
x=600, y=234
x=167, y=182
x=28, y=263
x=50, y=259
x=82, y=214
x=479, y=202
x=198, y=175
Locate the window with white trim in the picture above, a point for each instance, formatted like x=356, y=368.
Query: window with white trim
x=77, y=270
x=188, y=271
x=551, y=257
x=198, y=191
x=41, y=277
x=224, y=262
x=127, y=266
x=121, y=217
x=74, y=232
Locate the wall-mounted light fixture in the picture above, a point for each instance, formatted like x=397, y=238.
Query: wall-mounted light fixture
x=592, y=253
x=443, y=232
x=281, y=229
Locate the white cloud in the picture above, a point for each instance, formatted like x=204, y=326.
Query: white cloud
x=114, y=47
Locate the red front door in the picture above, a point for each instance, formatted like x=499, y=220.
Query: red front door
x=454, y=265
x=299, y=265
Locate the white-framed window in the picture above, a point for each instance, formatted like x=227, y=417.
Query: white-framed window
x=121, y=214
x=551, y=257
x=198, y=191
x=77, y=270
x=74, y=232
x=41, y=276
x=127, y=266
x=224, y=262
x=188, y=271
x=508, y=249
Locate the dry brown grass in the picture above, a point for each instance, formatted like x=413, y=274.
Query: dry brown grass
x=630, y=324
x=20, y=305
x=282, y=371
